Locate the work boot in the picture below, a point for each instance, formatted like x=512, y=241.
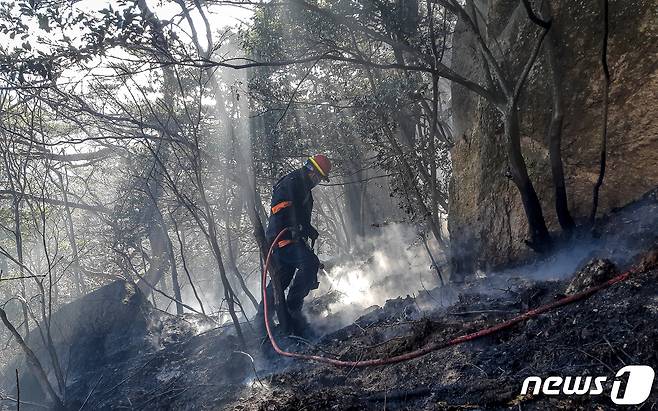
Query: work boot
x=300, y=326
x=266, y=348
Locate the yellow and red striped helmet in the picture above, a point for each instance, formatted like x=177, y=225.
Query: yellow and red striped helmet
x=321, y=164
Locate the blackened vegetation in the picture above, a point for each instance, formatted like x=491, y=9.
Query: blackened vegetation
x=128, y=355
x=596, y=337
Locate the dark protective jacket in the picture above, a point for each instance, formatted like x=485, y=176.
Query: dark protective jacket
x=292, y=204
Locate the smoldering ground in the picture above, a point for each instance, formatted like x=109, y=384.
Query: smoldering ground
x=389, y=263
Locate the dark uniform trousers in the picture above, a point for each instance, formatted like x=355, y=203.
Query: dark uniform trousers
x=296, y=256
x=292, y=258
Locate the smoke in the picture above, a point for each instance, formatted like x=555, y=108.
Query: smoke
x=558, y=266
x=394, y=263
x=619, y=237
x=391, y=263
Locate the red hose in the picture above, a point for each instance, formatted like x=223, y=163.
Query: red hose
x=433, y=346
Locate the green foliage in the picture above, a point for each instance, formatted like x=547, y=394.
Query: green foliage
x=332, y=106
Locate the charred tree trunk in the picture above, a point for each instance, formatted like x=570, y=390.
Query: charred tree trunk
x=506, y=101
x=555, y=130
x=540, y=239
x=604, y=120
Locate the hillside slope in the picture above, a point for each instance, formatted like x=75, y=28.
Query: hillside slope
x=158, y=361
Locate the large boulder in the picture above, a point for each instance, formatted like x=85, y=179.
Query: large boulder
x=99, y=328
x=486, y=221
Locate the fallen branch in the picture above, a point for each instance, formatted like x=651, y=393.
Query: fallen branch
x=253, y=366
x=483, y=312
x=21, y=277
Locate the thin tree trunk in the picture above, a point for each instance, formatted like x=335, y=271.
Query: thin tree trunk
x=181, y=242
x=604, y=120
x=47, y=305
x=17, y=198
x=539, y=236
x=435, y=265
x=33, y=362
x=434, y=194
x=18, y=392
x=77, y=270
x=18, y=236
x=555, y=129
x=434, y=115
x=229, y=294
x=232, y=259
x=175, y=285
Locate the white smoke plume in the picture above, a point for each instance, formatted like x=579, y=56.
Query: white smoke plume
x=392, y=263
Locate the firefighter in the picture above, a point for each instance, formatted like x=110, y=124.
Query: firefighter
x=295, y=262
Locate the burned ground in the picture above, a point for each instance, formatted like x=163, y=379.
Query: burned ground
x=594, y=337
x=170, y=362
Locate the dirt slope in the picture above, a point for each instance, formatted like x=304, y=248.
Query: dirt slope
x=596, y=337
x=181, y=370
x=165, y=362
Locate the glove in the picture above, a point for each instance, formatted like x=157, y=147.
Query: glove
x=312, y=233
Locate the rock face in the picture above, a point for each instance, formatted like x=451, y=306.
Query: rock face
x=103, y=326
x=487, y=223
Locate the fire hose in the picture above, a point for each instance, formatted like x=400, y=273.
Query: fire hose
x=432, y=346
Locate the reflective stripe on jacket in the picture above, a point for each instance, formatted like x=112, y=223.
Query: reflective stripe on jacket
x=292, y=204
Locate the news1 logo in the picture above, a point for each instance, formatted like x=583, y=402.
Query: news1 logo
x=638, y=385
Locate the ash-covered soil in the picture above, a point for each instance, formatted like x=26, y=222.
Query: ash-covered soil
x=171, y=364
x=595, y=337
